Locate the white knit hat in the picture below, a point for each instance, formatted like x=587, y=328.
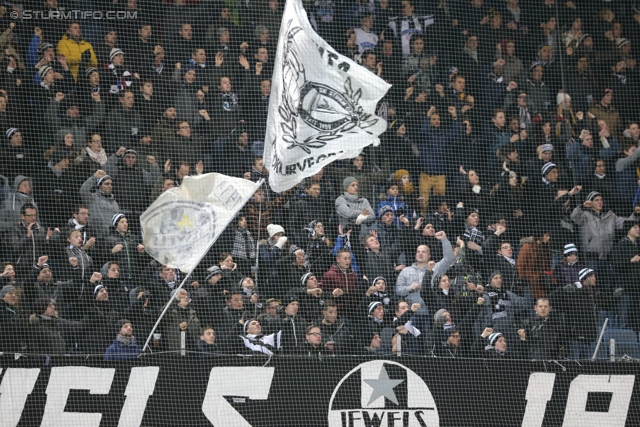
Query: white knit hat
x=273, y=229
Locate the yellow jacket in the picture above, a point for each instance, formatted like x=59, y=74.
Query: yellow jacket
x=72, y=50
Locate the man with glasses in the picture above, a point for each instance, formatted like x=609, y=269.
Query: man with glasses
x=313, y=343
x=80, y=222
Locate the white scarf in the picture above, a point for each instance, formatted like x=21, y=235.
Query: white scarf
x=100, y=158
x=511, y=260
x=77, y=226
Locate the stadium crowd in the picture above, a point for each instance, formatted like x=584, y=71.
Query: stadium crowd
x=497, y=218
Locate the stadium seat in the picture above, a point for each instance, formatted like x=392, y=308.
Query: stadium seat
x=626, y=343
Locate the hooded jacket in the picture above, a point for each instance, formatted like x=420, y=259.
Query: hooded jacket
x=85, y=263
x=102, y=206
x=414, y=274
x=293, y=328
x=598, y=231
x=13, y=203
x=349, y=206
x=87, y=231
x=73, y=50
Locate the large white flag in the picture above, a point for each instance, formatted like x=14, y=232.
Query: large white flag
x=322, y=105
x=180, y=226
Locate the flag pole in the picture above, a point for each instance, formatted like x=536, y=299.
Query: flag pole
x=258, y=235
x=166, y=307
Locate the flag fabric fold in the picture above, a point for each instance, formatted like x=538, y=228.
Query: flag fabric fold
x=322, y=105
x=182, y=224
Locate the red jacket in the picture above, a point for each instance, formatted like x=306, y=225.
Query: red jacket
x=347, y=280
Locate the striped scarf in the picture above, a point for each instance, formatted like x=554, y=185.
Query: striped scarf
x=244, y=247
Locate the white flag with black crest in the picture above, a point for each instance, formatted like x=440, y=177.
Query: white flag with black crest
x=182, y=223
x=322, y=105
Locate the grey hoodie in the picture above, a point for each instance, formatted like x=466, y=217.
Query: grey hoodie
x=102, y=207
x=10, y=213
x=414, y=274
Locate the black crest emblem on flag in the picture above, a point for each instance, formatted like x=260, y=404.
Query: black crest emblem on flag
x=329, y=111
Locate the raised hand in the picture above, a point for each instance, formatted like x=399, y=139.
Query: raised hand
x=242, y=60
